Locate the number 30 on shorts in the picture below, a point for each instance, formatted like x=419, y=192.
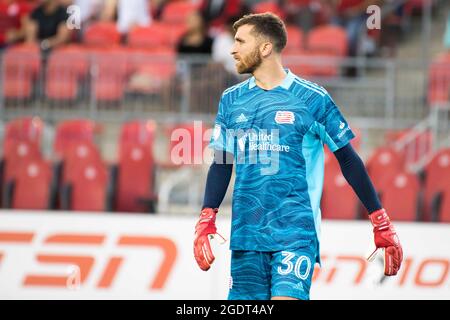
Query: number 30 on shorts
x=289, y=265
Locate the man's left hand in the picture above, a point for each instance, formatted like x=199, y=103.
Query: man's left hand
x=385, y=237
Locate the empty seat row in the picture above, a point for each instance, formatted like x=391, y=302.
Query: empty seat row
x=112, y=69
x=77, y=178
x=405, y=195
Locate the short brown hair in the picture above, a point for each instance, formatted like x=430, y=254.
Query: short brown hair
x=268, y=25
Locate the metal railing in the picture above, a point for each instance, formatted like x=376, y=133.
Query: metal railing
x=386, y=94
x=421, y=142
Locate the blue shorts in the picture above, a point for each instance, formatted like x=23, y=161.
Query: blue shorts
x=259, y=275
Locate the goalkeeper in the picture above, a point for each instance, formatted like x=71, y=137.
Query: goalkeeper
x=272, y=128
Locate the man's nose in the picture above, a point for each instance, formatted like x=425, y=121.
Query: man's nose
x=233, y=50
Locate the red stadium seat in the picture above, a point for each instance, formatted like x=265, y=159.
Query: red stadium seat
x=112, y=70
x=101, y=35
x=31, y=186
x=147, y=37
x=400, y=196
x=176, y=11
x=309, y=64
x=338, y=200
x=139, y=132
x=21, y=66
x=27, y=129
x=62, y=81
x=295, y=38
x=72, y=132
x=17, y=154
x=384, y=163
x=135, y=179
x=76, y=155
x=329, y=38
x=88, y=189
x=136, y=168
x=444, y=213
x=156, y=35
x=151, y=71
x=437, y=177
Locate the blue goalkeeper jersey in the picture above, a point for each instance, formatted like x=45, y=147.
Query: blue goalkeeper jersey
x=277, y=137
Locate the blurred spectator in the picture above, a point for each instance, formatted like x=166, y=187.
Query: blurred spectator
x=392, y=30
x=129, y=13
x=157, y=7
x=91, y=10
x=197, y=42
x=225, y=62
x=12, y=16
x=217, y=12
x=222, y=46
x=351, y=14
x=47, y=25
x=273, y=6
x=251, y=3
x=301, y=12
x=196, y=39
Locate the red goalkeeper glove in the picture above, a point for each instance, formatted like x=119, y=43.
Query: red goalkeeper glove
x=386, y=237
x=205, y=230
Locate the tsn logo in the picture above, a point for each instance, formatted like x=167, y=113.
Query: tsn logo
x=418, y=272
x=80, y=267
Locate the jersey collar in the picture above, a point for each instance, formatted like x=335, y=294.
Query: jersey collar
x=286, y=84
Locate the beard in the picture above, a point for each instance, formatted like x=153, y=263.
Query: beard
x=249, y=63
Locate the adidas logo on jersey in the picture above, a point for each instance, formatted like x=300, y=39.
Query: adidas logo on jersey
x=241, y=118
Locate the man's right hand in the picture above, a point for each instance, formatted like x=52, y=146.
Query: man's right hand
x=204, y=229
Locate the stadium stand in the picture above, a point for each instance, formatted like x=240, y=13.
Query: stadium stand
x=108, y=68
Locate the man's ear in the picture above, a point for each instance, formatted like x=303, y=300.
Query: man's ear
x=266, y=49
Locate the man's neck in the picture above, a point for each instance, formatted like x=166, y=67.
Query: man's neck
x=269, y=76
x=50, y=7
